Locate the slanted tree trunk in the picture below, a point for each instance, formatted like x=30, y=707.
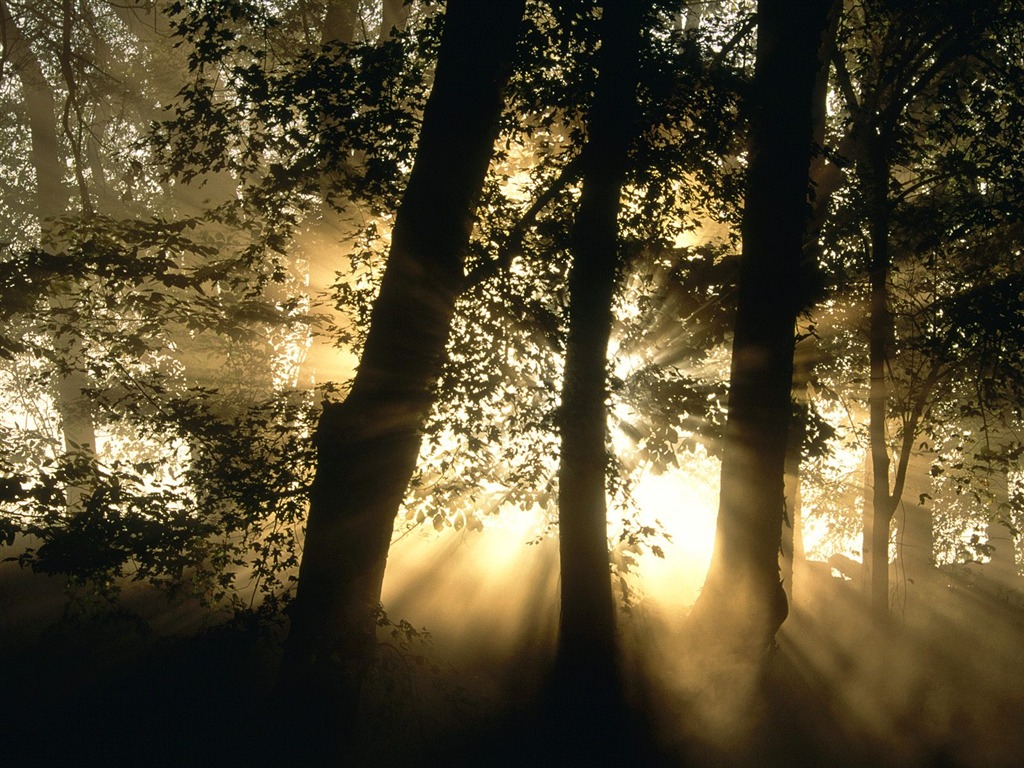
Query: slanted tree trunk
x=368, y=445
x=743, y=604
x=586, y=657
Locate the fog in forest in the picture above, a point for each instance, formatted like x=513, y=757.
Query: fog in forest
x=519, y=383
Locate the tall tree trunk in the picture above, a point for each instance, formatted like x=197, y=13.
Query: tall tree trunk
x=394, y=17
x=792, y=539
x=883, y=504
x=805, y=354
x=52, y=197
x=586, y=657
x=743, y=600
x=368, y=445
x=915, y=540
x=341, y=22
x=791, y=544
x=41, y=108
x=886, y=491
x=1003, y=564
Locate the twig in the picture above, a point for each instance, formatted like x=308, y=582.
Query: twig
x=512, y=246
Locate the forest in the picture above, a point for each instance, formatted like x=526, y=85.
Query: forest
x=512, y=382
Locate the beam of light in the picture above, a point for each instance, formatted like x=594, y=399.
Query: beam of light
x=489, y=594
x=943, y=689
x=683, y=502
x=486, y=596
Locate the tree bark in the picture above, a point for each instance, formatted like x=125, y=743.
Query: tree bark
x=586, y=656
x=874, y=168
x=41, y=108
x=792, y=549
x=743, y=601
x=805, y=354
x=368, y=445
x=1002, y=567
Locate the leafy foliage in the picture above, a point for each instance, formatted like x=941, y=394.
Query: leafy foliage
x=178, y=266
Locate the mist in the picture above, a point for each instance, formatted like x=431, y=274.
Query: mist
x=612, y=382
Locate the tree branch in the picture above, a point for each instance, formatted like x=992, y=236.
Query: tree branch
x=844, y=82
x=910, y=433
x=743, y=31
x=512, y=246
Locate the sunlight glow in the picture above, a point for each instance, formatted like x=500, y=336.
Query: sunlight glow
x=485, y=592
x=685, y=501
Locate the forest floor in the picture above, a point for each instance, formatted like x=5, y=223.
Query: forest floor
x=943, y=685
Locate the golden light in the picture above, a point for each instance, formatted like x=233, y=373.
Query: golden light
x=685, y=503
x=486, y=596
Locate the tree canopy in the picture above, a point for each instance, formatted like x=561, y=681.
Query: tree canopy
x=426, y=268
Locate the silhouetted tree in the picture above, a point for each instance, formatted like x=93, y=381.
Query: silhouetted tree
x=368, y=444
x=587, y=670
x=742, y=596
x=909, y=162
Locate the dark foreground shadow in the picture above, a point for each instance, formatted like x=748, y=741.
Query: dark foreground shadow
x=941, y=686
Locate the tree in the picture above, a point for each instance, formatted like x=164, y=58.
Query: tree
x=587, y=667
x=199, y=490
x=114, y=290
x=368, y=444
x=909, y=158
x=52, y=198
x=742, y=595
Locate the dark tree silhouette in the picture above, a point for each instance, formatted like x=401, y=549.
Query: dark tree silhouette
x=368, y=444
x=586, y=660
x=742, y=597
